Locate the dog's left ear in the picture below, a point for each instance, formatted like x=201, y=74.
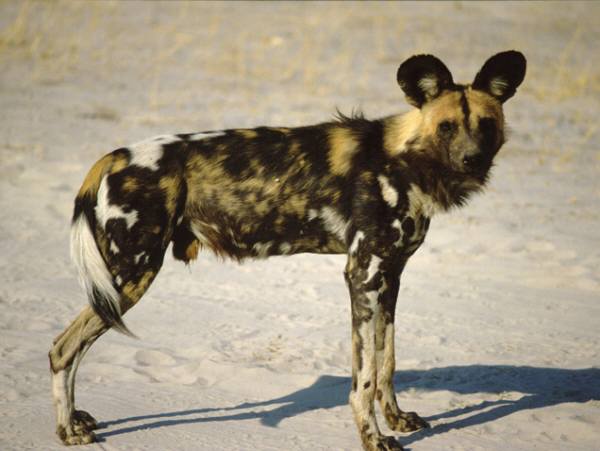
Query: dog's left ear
x=423, y=78
x=501, y=75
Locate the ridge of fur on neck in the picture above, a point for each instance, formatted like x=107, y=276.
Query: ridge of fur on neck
x=400, y=130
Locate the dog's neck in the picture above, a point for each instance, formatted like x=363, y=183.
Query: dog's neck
x=445, y=187
x=400, y=130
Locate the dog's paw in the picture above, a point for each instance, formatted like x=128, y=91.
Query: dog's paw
x=408, y=422
x=387, y=443
x=83, y=420
x=81, y=436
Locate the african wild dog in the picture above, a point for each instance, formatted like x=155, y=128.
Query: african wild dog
x=364, y=188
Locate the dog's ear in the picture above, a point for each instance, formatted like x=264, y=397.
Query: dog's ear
x=501, y=75
x=423, y=78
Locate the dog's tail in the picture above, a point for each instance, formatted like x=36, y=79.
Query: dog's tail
x=94, y=274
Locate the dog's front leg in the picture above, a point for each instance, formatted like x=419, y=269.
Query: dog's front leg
x=365, y=282
x=396, y=419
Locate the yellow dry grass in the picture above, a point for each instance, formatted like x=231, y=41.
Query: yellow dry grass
x=309, y=58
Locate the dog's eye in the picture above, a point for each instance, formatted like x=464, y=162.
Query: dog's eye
x=487, y=126
x=446, y=127
x=488, y=131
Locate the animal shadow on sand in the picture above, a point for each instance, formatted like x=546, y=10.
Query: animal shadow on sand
x=541, y=387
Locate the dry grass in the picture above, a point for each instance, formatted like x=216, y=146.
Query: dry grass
x=282, y=63
x=60, y=37
x=571, y=74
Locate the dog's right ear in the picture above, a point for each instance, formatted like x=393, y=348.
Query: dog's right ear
x=423, y=78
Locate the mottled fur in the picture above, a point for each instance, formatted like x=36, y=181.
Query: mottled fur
x=365, y=188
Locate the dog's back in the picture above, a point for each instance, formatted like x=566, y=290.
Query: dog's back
x=268, y=191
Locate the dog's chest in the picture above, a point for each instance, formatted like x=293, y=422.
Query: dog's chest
x=405, y=211
x=408, y=232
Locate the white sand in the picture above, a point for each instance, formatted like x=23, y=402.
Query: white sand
x=498, y=320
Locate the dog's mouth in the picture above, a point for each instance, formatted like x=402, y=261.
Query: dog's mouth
x=472, y=163
x=477, y=167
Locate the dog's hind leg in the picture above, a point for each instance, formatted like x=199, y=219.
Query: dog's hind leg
x=74, y=427
x=123, y=222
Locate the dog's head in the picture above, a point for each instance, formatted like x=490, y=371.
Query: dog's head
x=462, y=125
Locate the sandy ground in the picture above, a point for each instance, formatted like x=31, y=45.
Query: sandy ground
x=498, y=319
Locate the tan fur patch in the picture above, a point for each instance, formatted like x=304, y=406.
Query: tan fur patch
x=103, y=244
x=202, y=176
x=130, y=184
x=447, y=107
x=483, y=105
x=191, y=251
x=134, y=291
x=68, y=343
x=342, y=147
x=295, y=204
x=211, y=238
x=170, y=185
x=248, y=133
x=294, y=147
x=400, y=129
x=120, y=162
x=92, y=180
x=333, y=195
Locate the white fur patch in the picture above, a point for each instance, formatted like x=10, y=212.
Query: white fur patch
x=373, y=268
x=334, y=223
x=421, y=203
x=93, y=272
x=147, y=153
x=73, y=372
x=398, y=225
x=355, y=242
x=205, y=135
x=498, y=86
x=105, y=211
x=114, y=248
x=198, y=233
x=429, y=84
x=262, y=249
x=361, y=399
x=388, y=192
x=373, y=297
x=138, y=257
x=62, y=402
x=386, y=364
x=285, y=248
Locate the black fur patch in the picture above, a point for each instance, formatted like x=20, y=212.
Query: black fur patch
x=509, y=67
x=422, y=78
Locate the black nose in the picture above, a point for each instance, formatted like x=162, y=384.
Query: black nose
x=471, y=160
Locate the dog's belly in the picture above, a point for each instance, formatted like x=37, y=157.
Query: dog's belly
x=249, y=238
